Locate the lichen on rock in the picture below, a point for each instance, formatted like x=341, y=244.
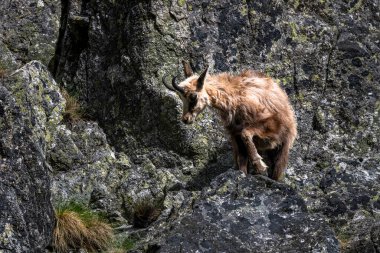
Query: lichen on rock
x=29, y=31
x=30, y=108
x=112, y=56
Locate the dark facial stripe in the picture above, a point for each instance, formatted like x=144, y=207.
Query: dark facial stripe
x=192, y=104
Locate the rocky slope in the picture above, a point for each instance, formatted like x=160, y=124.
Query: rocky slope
x=112, y=55
x=29, y=31
x=242, y=214
x=325, y=54
x=30, y=108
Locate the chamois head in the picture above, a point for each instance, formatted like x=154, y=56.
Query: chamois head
x=192, y=93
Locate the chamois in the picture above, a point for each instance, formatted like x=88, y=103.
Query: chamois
x=255, y=112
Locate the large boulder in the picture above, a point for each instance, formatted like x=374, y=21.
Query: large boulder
x=121, y=44
x=241, y=214
x=28, y=31
x=30, y=108
x=88, y=170
x=113, y=55
x=325, y=54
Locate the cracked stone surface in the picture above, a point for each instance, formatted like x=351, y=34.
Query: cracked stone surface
x=30, y=108
x=325, y=54
x=242, y=214
x=28, y=31
x=112, y=56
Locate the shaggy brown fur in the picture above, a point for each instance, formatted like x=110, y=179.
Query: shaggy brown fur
x=255, y=111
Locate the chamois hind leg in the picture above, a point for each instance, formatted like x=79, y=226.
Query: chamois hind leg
x=254, y=157
x=270, y=159
x=235, y=150
x=280, y=162
x=240, y=153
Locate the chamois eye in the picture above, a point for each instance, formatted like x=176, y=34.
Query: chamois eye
x=193, y=96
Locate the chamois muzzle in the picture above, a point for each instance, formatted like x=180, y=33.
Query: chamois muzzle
x=174, y=86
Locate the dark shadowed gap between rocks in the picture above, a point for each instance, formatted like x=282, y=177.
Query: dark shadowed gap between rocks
x=322, y=52
x=54, y=63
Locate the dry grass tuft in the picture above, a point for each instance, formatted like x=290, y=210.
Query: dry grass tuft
x=145, y=211
x=2, y=73
x=69, y=231
x=344, y=243
x=99, y=236
x=73, y=111
x=80, y=228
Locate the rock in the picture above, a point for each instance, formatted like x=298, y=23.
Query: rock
x=30, y=108
x=134, y=81
x=361, y=234
x=85, y=167
x=246, y=214
x=324, y=54
x=88, y=170
x=113, y=55
x=28, y=31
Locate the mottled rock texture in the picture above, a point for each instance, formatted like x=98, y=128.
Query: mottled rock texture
x=112, y=55
x=30, y=107
x=248, y=214
x=88, y=170
x=28, y=31
x=126, y=56
x=324, y=53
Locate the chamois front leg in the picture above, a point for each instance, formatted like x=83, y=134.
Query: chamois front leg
x=240, y=153
x=253, y=155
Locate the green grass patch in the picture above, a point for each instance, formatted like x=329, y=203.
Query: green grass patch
x=86, y=214
x=123, y=244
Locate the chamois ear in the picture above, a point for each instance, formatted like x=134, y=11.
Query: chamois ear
x=201, y=79
x=187, y=68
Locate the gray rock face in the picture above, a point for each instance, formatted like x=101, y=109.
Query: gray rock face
x=30, y=107
x=325, y=55
x=113, y=54
x=28, y=31
x=87, y=169
x=246, y=214
x=131, y=57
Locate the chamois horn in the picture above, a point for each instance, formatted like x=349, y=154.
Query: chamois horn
x=166, y=84
x=174, y=86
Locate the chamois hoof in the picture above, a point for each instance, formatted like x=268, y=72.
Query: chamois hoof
x=261, y=167
x=244, y=171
